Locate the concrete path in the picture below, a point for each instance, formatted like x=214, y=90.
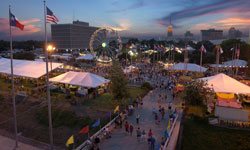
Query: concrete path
x=9, y=144
x=122, y=141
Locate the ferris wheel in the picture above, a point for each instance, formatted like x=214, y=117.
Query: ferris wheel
x=106, y=44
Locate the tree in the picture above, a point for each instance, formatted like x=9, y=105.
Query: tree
x=24, y=55
x=197, y=93
x=118, y=81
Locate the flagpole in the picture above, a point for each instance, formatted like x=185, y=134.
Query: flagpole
x=12, y=85
x=47, y=80
x=217, y=59
x=201, y=60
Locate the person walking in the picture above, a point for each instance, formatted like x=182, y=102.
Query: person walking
x=152, y=143
x=138, y=134
x=143, y=135
x=131, y=129
x=126, y=127
x=137, y=118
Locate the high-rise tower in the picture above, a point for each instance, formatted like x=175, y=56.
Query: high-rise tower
x=170, y=29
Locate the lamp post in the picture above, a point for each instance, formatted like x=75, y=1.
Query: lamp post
x=50, y=49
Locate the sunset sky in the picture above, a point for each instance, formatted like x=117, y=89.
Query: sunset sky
x=135, y=17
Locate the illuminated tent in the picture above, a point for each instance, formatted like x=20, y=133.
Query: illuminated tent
x=26, y=68
x=188, y=67
x=83, y=79
x=236, y=63
x=86, y=57
x=225, y=84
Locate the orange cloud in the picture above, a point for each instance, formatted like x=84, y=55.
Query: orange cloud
x=234, y=22
x=29, y=27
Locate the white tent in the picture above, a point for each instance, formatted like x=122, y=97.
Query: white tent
x=236, y=63
x=26, y=68
x=189, y=48
x=129, y=69
x=86, y=57
x=83, y=79
x=225, y=84
x=188, y=67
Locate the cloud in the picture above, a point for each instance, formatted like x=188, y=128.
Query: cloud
x=29, y=27
x=122, y=25
x=210, y=8
x=137, y=4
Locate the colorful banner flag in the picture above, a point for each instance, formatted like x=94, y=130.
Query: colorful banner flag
x=84, y=130
x=221, y=50
x=97, y=123
x=117, y=108
x=169, y=124
x=70, y=141
x=14, y=21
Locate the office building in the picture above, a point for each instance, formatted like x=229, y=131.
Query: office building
x=72, y=36
x=211, y=34
x=233, y=33
x=188, y=35
x=170, y=30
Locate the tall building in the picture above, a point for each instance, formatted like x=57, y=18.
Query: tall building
x=72, y=36
x=233, y=33
x=188, y=35
x=170, y=30
x=211, y=34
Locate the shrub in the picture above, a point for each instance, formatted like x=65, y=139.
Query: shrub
x=59, y=117
x=1, y=98
x=146, y=86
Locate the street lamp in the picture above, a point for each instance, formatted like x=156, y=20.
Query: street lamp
x=50, y=49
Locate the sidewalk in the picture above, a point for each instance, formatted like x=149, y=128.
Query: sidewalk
x=9, y=144
x=122, y=141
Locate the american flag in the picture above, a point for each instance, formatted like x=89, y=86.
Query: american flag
x=50, y=17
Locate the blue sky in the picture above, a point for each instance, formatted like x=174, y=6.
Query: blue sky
x=136, y=17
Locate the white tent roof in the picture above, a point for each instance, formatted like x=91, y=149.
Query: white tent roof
x=26, y=68
x=188, y=67
x=83, y=79
x=236, y=63
x=85, y=57
x=189, y=48
x=225, y=84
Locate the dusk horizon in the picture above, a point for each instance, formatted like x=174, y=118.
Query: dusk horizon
x=135, y=18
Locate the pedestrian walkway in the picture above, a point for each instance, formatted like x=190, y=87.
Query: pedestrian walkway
x=9, y=144
x=122, y=141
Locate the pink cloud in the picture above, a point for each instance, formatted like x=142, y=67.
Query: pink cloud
x=29, y=27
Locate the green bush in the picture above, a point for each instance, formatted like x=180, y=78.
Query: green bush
x=1, y=98
x=146, y=86
x=59, y=117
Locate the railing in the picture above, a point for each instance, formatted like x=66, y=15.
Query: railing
x=170, y=132
x=88, y=143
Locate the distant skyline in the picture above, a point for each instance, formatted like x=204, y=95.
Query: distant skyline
x=134, y=17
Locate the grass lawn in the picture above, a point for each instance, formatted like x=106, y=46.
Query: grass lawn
x=106, y=101
x=198, y=135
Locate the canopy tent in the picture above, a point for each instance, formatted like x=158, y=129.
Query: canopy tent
x=86, y=57
x=232, y=104
x=83, y=79
x=189, y=48
x=130, y=69
x=25, y=68
x=188, y=67
x=225, y=84
x=232, y=63
x=236, y=63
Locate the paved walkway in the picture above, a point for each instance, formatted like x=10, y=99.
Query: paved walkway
x=122, y=141
x=9, y=144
